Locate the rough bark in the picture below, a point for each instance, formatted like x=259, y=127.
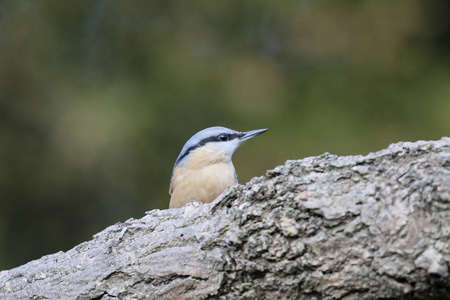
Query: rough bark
x=326, y=227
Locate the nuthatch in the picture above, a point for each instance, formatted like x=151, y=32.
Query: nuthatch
x=204, y=169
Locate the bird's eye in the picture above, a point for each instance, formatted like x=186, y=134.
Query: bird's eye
x=223, y=137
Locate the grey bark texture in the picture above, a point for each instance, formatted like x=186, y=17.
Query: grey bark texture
x=325, y=227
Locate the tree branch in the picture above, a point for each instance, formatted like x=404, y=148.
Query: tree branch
x=326, y=227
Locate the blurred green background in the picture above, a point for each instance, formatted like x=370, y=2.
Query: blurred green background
x=98, y=97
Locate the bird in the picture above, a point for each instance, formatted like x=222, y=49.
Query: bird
x=203, y=169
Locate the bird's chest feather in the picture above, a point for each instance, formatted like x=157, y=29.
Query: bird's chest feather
x=203, y=184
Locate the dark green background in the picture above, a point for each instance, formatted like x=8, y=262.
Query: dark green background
x=98, y=97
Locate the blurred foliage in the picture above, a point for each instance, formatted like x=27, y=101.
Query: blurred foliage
x=98, y=97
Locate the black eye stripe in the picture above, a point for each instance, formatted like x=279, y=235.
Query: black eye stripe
x=210, y=139
x=235, y=135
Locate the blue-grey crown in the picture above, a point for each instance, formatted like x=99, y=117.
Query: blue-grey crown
x=203, y=137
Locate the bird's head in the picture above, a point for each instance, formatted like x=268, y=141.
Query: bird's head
x=215, y=141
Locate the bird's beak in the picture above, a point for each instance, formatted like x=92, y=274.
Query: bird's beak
x=251, y=134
